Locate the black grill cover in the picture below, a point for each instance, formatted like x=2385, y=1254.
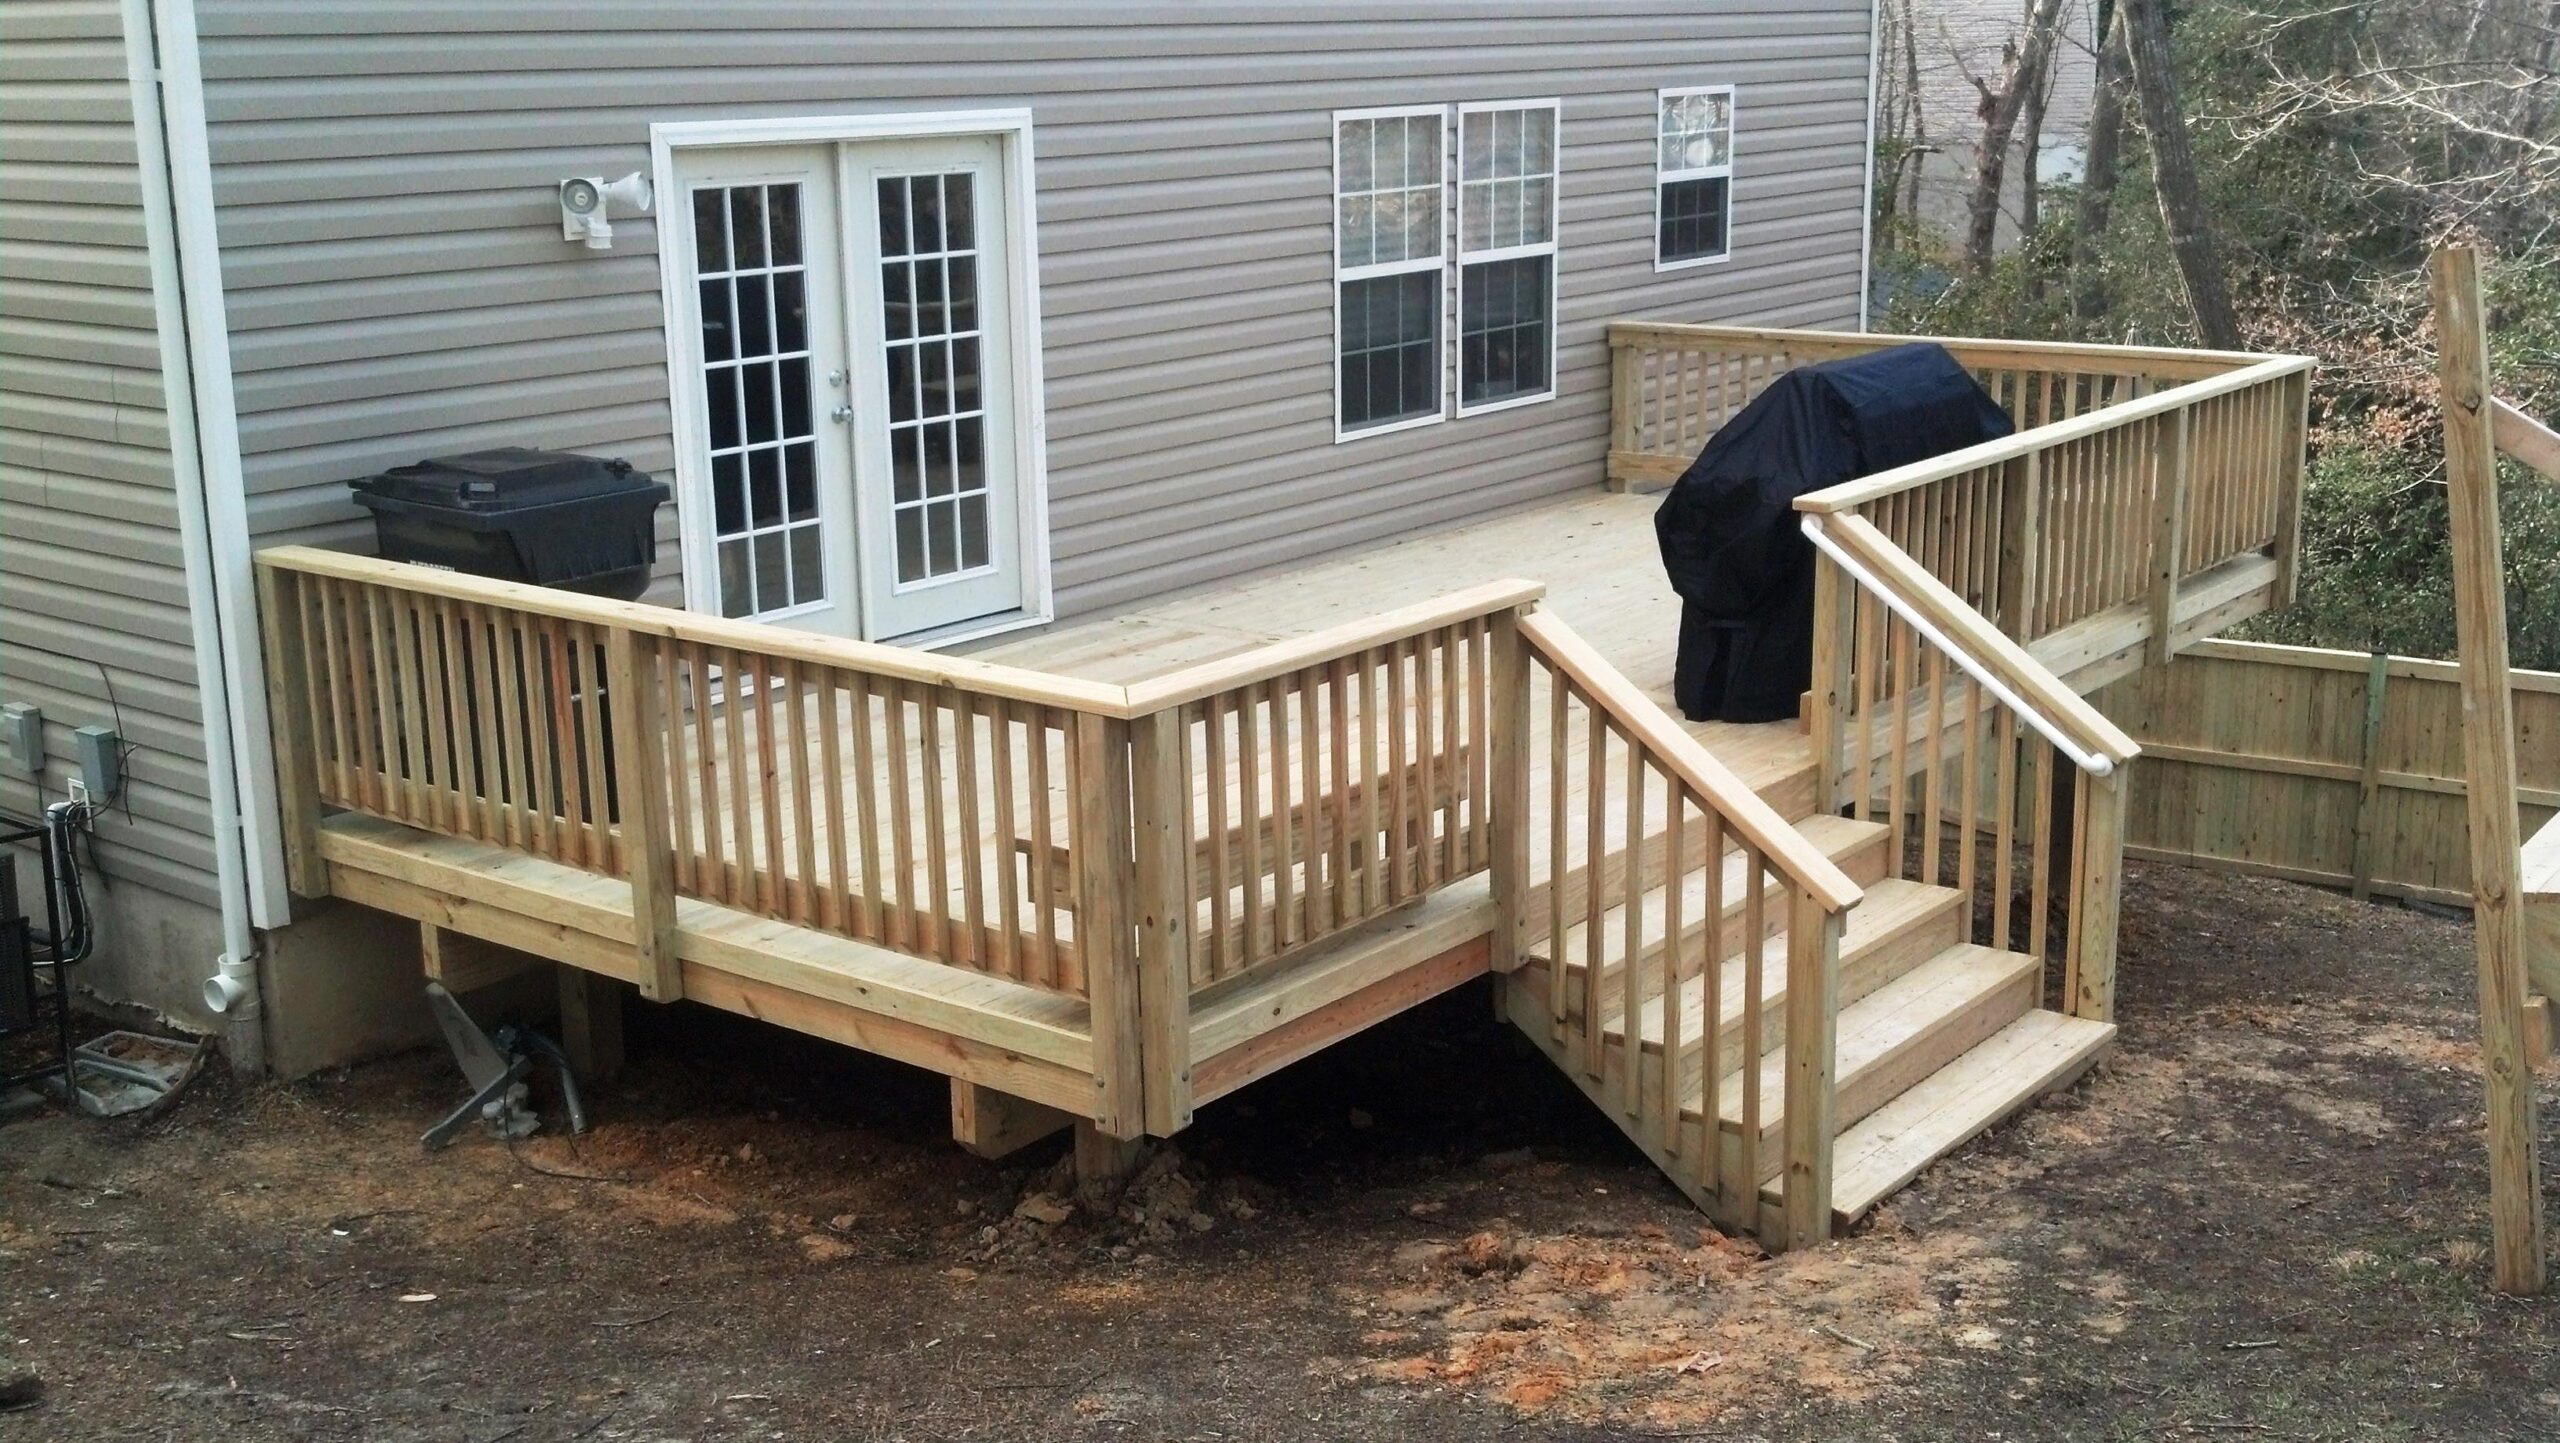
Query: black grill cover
x=1728, y=529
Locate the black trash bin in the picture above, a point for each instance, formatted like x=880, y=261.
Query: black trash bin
x=552, y=518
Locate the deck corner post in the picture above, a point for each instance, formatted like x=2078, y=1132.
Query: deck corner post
x=1163, y=887
x=1625, y=391
x=640, y=769
x=1813, y=1018
x=2097, y=895
x=1102, y=856
x=1835, y=623
x=1510, y=763
x=284, y=619
x=2291, y=476
x=2169, y=455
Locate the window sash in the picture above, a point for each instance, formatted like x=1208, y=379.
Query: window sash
x=1436, y=260
x=1470, y=259
x=1665, y=177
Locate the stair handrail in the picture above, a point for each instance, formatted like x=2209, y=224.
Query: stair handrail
x=2004, y=668
x=1683, y=756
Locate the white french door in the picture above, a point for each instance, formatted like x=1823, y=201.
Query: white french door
x=846, y=329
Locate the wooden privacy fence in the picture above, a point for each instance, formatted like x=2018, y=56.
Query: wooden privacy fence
x=2132, y=472
x=1120, y=846
x=2321, y=766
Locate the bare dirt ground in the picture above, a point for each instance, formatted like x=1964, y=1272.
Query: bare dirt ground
x=2264, y=1219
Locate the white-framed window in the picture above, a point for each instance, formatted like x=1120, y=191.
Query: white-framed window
x=1506, y=253
x=1693, y=181
x=1390, y=275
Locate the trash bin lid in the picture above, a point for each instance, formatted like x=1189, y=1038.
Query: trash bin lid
x=507, y=478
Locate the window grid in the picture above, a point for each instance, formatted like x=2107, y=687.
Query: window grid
x=1693, y=179
x=751, y=286
x=937, y=412
x=1508, y=208
x=1390, y=264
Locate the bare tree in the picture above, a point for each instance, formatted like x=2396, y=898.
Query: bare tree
x=2023, y=62
x=2173, y=175
x=2096, y=207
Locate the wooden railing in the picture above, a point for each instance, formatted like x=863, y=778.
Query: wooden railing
x=2133, y=470
x=1928, y=718
x=1642, y=806
x=1125, y=846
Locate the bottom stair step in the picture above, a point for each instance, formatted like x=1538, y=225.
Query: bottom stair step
x=2038, y=1053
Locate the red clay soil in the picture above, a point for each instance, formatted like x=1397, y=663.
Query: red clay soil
x=2264, y=1219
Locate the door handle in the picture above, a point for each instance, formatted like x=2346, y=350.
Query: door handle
x=841, y=413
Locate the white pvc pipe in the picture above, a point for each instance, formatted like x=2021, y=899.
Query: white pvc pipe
x=2094, y=763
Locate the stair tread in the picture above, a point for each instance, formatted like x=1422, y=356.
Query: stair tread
x=1873, y=1028
x=1835, y=837
x=2036, y=1054
x=1889, y=907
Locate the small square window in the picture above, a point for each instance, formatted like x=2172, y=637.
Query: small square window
x=1693, y=177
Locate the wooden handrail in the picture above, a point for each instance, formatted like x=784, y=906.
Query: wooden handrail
x=1279, y=658
x=1851, y=495
x=781, y=643
x=1696, y=767
x=2526, y=439
x=1984, y=643
x=2160, y=360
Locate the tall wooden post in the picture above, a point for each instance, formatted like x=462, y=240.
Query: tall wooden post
x=2489, y=746
x=1510, y=764
x=1813, y=1025
x=640, y=772
x=1160, y=792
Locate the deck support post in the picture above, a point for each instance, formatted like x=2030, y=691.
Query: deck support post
x=2169, y=458
x=1510, y=820
x=640, y=771
x=2289, y=483
x=1104, y=864
x=284, y=614
x=1813, y=1018
x=2489, y=748
x=2097, y=895
x=591, y=1023
x=1104, y=1163
x=1161, y=899
x=2021, y=544
x=1626, y=389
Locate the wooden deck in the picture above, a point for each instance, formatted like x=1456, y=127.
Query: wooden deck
x=1109, y=872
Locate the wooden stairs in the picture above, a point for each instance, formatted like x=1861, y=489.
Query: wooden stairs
x=1937, y=1038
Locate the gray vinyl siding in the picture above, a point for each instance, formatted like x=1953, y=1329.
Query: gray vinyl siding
x=398, y=287
x=93, y=604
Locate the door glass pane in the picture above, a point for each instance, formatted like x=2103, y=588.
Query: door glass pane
x=759, y=414
x=929, y=285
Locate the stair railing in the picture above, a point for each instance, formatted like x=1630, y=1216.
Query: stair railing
x=1639, y=807
x=1930, y=719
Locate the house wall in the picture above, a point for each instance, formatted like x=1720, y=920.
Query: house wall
x=398, y=287
x=94, y=625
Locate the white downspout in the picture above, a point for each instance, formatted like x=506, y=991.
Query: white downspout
x=232, y=990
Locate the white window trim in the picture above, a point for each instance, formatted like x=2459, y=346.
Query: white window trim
x=1012, y=127
x=1662, y=177
x=1439, y=262
x=1549, y=247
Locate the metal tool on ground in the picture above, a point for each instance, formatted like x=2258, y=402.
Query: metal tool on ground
x=497, y=1065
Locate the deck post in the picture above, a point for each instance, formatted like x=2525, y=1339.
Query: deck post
x=1624, y=397
x=640, y=770
x=1161, y=904
x=1835, y=623
x=1510, y=763
x=591, y=1023
x=2489, y=748
x=1103, y=860
x=2290, y=479
x=2021, y=544
x=1813, y=1018
x=2097, y=895
x=2169, y=457
x=284, y=616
